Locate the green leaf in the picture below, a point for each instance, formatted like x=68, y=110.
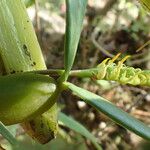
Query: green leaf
x=29, y=3
x=74, y=20
x=6, y=134
x=76, y=126
x=116, y=114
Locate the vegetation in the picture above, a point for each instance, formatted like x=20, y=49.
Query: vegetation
x=30, y=97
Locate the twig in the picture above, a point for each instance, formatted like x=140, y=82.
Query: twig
x=147, y=43
x=141, y=113
x=95, y=58
x=97, y=45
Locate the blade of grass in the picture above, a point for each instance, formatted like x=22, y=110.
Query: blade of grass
x=77, y=127
x=116, y=114
x=74, y=20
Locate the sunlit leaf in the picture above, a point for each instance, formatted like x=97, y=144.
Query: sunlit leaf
x=74, y=20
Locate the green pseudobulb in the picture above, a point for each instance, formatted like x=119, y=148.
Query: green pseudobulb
x=21, y=95
x=44, y=125
x=20, y=52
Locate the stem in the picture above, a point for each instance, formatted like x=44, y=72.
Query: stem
x=92, y=73
x=5, y=133
x=74, y=73
x=86, y=73
x=147, y=43
x=52, y=72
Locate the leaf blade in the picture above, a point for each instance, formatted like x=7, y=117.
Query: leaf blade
x=76, y=126
x=116, y=114
x=7, y=134
x=74, y=20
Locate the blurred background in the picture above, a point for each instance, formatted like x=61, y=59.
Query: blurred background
x=110, y=27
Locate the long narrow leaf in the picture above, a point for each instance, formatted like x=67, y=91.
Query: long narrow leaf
x=6, y=134
x=76, y=126
x=119, y=116
x=75, y=15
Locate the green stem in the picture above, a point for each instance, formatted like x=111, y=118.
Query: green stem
x=5, y=133
x=52, y=72
x=136, y=75
x=85, y=73
x=75, y=73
